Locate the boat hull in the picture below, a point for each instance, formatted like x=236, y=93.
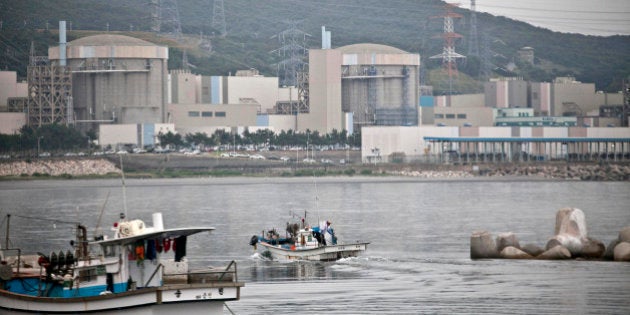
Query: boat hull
x=321, y=253
x=195, y=299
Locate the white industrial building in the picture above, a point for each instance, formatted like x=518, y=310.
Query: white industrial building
x=427, y=143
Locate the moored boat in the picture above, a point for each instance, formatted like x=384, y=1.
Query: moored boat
x=141, y=270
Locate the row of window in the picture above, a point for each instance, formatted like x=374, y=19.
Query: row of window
x=451, y=116
x=206, y=114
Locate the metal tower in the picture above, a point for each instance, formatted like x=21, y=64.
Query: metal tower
x=218, y=18
x=293, y=50
x=154, y=10
x=449, y=56
x=473, y=36
x=169, y=18
x=49, y=91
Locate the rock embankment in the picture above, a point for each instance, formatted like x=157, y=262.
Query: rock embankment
x=587, y=172
x=595, y=172
x=74, y=167
x=570, y=241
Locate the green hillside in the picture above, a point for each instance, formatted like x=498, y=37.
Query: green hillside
x=251, y=25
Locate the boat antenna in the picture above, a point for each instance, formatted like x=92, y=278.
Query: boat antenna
x=316, y=198
x=124, y=190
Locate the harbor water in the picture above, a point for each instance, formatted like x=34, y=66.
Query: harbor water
x=418, y=260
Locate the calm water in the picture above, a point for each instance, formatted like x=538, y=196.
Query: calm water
x=417, y=263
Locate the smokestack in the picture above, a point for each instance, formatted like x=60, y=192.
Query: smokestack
x=325, y=38
x=62, y=43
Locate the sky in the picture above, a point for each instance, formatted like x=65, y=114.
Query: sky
x=589, y=17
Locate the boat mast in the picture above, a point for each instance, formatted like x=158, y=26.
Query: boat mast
x=6, y=240
x=124, y=190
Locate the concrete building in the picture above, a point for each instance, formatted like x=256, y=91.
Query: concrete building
x=506, y=92
x=245, y=100
x=540, y=98
x=526, y=54
x=572, y=98
x=192, y=118
x=463, y=116
x=361, y=85
x=138, y=135
x=504, y=144
x=10, y=88
x=115, y=78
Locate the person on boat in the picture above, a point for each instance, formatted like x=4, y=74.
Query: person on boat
x=324, y=229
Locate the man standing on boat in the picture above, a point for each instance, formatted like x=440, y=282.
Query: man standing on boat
x=326, y=232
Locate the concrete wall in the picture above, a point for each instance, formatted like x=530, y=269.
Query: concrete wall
x=115, y=134
x=219, y=115
x=10, y=123
x=324, y=92
x=540, y=97
x=184, y=87
x=262, y=89
x=277, y=122
x=9, y=87
x=458, y=116
x=582, y=94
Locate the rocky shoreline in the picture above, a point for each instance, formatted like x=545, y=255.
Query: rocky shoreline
x=188, y=166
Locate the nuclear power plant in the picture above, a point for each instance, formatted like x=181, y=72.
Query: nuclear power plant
x=115, y=79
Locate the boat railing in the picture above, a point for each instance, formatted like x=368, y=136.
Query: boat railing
x=160, y=266
x=229, y=274
x=18, y=261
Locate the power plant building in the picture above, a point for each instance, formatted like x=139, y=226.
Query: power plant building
x=115, y=79
x=361, y=85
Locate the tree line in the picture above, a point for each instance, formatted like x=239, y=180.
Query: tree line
x=31, y=141
x=260, y=138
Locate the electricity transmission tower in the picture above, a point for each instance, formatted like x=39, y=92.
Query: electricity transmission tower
x=169, y=22
x=218, y=18
x=293, y=50
x=449, y=56
x=473, y=36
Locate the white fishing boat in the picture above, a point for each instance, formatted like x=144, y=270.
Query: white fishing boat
x=304, y=242
x=140, y=270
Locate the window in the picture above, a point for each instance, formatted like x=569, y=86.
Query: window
x=193, y=114
x=461, y=116
x=439, y=115
x=206, y=114
x=450, y=116
x=87, y=275
x=219, y=114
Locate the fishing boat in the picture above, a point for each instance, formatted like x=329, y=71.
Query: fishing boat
x=305, y=242
x=140, y=270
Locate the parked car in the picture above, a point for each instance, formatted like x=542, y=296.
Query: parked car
x=256, y=157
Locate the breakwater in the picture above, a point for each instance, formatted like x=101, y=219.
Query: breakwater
x=154, y=164
x=72, y=167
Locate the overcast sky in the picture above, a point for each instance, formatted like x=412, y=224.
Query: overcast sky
x=591, y=17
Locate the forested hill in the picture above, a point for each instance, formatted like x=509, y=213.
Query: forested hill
x=251, y=25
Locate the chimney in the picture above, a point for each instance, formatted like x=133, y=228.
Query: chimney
x=62, y=43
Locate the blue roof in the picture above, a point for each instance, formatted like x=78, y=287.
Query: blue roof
x=480, y=139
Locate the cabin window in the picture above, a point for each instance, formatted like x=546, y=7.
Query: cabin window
x=109, y=251
x=88, y=275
